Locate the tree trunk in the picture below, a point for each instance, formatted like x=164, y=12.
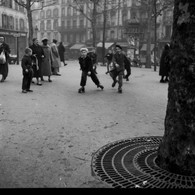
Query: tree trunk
x=30, y=25
x=176, y=152
x=104, y=31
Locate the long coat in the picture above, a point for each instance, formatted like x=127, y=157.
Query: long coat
x=164, y=63
x=46, y=64
x=4, y=67
x=38, y=51
x=61, y=50
x=55, y=56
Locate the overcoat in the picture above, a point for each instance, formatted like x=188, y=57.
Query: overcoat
x=55, y=63
x=164, y=63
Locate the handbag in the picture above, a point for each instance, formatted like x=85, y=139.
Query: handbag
x=2, y=58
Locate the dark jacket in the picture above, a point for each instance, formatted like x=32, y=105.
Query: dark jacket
x=26, y=63
x=85, y=63
x=93, y=57
x=119, y=59
x=127, y=62
x=109, y=57
x=165, y=63
x=38, y=50
x=61, y=50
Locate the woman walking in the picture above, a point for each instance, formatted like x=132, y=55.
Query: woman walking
x=4, y=50
x=46, y=65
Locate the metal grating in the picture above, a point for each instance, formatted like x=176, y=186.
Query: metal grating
x=131, y=164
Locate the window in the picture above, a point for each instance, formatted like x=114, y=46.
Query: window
x=81, y=23
x=48, y=25
x=42, y=14
x=112, y=33
x=63, y=23
x=74, y=23
x=48, y=13
x=63, y=11
x=55, y=12
x=11, y=22
x=5, y=21
x=69, y=11
x=74, y=12
x=55, y=24
x=68, y=23
x=21, y=24
x=16, y=23
x=63, y=1
x=42, y=26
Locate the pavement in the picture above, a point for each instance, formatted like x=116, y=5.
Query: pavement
x=48, y=137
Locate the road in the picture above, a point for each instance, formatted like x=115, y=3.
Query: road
x=48, y=137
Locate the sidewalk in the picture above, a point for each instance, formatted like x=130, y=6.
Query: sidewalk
x=48, y=137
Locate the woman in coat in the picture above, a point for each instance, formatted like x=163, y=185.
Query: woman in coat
x=61, y=50
x=46, y=64
x=55, y=58
x=164, y=64
x=4, y=67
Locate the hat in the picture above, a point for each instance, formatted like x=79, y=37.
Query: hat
x=44, y=39
x=84, y=49
x=119, y=46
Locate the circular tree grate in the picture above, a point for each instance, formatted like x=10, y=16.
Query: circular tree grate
x=131, y=163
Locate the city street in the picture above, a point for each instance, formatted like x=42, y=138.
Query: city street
x=48, y=137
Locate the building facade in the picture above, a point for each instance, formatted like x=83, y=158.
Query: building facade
x=13, y=26
x=69, y=25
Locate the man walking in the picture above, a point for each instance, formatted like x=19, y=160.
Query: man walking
x=118, y=60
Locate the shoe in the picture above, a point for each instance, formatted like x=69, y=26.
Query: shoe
x=114, y=83
x=101, y=87
x=162, y=81
x=65, y=64
x=127, y=79
x=39, y=84
x=119, y=90
x=32, y=82
x=29, y=90
x=2, y=80
x=107, y=72
x=166, y=80
x=58, y=74
x=42, y=79
x=81, y=90
x=24, y=91
x=49, y=80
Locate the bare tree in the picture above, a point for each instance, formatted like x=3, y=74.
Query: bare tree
x=176, y=152
x=28, y=5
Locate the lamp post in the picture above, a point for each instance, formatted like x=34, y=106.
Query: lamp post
x=36, y=31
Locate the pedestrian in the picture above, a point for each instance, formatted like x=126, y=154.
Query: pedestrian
x=164, y=64
x=55, y=58
x=61, y=50
x=118, y=61
x=93, y=57
x=127, y=63
x=27, y=70
x=4, y=56
x=108, y=57
x=46, y=64
x=86, y=66
x=37, y=51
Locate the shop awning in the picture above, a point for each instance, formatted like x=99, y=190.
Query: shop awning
x=122, y=44
x=144, y=47
x=77, y=46
x=107, y=44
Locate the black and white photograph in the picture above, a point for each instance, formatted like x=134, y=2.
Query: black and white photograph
x=97, y=94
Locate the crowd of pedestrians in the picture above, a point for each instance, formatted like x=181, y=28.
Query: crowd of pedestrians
x=45, y=60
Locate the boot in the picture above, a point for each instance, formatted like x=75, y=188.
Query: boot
x=101, y=86
x=114, y=83
x=81, y=90
x=120, y=90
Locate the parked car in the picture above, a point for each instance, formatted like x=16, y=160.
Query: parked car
x=12, y=59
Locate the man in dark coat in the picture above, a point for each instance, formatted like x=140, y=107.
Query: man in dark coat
x=61, y=50
x=37, y=50
x=4, y=66
x=86, y=67
x=127, y=62
x=109, y=57
x=118, y=60
x=164, y=64
x=93, y=57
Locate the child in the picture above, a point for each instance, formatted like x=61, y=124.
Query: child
x=27, y=70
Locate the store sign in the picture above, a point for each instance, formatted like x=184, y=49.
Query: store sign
x=13, y=34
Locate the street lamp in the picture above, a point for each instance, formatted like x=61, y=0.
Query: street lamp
x=36, y=31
